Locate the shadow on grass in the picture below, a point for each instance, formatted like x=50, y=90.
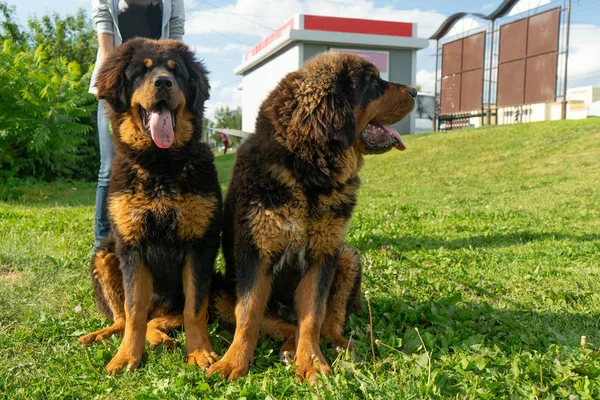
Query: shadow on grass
x=479, y=241
x=53, y=194
x=452, y=325
x=37, y=194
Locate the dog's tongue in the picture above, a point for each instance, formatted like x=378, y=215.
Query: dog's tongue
x=161, y=127
x=394, y=133
x=391, y=132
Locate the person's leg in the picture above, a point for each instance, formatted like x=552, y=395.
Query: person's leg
x=107, y=153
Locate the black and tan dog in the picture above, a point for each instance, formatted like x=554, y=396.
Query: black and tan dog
x=153, y=272
x=293, y=190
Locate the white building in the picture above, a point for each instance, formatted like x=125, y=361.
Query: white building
x=391, y=46
x=579, y=100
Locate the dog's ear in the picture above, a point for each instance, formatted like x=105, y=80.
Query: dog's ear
x=198, y=86
x=112, y=83
x=314, y=111
x=343, y=132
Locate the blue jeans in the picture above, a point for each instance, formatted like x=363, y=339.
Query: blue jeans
x=107, y=153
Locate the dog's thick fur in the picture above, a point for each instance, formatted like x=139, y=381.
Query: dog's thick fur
x=293, y=190
x=153, y=272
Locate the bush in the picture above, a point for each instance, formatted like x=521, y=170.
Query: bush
x=45, y=128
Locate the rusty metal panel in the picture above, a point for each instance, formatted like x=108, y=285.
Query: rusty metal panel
x=543, y=33
x=452, y=57
x=471, y=90
x=450, y=96
x=540, y=78
x=473, y=52
x=511, y=83
x=513, y=41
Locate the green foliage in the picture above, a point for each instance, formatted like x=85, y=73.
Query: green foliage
x=486, y=241
x=71, y=37
x=44, y=115
x=10, y=30
x=226, y=118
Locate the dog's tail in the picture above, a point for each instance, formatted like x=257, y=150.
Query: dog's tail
x=105, y=271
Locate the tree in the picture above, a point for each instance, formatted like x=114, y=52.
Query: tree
x=10, y=30
x=46, y=115
x=226, y=118
x=72, y=37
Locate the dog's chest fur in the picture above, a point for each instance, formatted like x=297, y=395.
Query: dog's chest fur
x=159, y=208
x=310, y=223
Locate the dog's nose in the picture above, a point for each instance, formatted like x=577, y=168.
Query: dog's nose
x=413, y=92
x=163, y=82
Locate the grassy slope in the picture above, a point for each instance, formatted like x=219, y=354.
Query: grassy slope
x=486, y=241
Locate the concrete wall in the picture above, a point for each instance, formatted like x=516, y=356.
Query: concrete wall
x=259, y=82
x=403, y=69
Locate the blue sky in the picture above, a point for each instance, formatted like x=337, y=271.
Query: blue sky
x=222, y=30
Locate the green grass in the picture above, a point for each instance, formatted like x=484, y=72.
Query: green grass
x=484, y=242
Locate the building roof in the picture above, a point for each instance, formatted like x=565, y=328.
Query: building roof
x=334, y=30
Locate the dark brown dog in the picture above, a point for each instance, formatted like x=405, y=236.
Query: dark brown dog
x=289, y=203
x=153, y=272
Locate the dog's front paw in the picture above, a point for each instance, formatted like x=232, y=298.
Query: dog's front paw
x=309, y=368
x=157, y=339
x=122, y=361
x=229, y=369
x=202, y=358
x=98, y=336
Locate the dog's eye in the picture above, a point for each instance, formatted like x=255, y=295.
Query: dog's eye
x=173, y=66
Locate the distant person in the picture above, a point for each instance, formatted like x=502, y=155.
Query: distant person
x=116, y=22
x=226, y=142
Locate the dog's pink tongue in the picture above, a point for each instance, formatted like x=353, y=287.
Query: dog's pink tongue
x=394, y=133
x=161, y=127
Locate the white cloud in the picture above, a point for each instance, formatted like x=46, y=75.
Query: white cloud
x=463, y=25
x=219, y=50
x=259, y=17
x=487, y=6
x=526, y=5
x=584, y=48
x=232, y=94
x=227, y=96
x=426, y=80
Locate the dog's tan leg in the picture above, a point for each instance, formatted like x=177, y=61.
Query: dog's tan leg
x=249, y=310
x=158, y=329
x=108, y=275
x=272, y=324
x=195, y=317
x=344, y=295
x=311, y=301
x=137, y=299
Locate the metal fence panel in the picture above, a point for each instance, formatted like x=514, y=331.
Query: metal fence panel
x=450, y=95
x=471, y=92
x=540, y=78
x=511, y=83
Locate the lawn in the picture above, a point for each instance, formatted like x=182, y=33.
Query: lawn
x=481, y=252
